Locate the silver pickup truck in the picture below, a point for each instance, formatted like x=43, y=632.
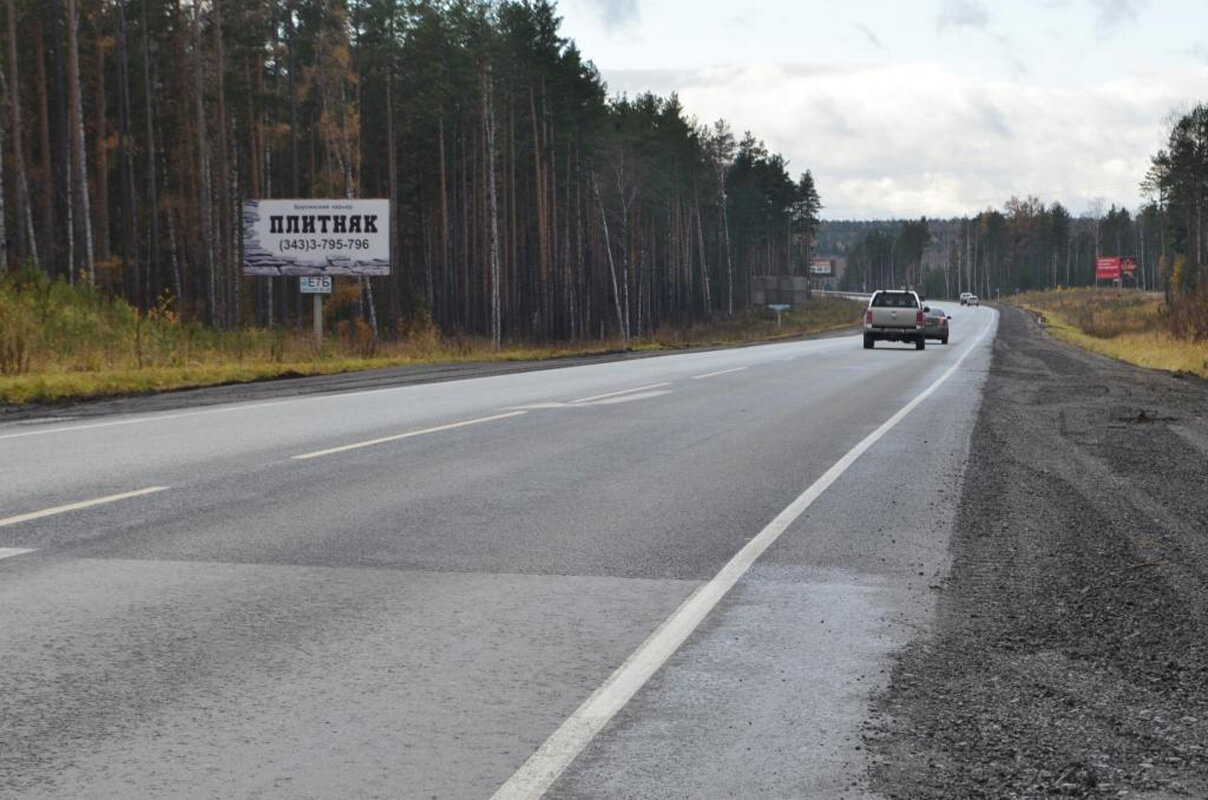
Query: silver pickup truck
x=894, y=317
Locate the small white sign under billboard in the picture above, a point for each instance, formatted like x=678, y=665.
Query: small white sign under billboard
x=316, y=237
x=316, y=284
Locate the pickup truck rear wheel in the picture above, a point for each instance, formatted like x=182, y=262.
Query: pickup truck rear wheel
x=920, y=343
x=869, y=342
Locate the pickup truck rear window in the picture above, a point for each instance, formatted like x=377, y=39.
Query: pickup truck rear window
x=896, y=300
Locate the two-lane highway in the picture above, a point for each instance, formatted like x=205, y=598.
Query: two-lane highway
x=674, y=576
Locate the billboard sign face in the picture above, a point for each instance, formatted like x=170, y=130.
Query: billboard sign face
x=1128, y=266
x=316, y=237
x=822, y=267
x=1107, y=269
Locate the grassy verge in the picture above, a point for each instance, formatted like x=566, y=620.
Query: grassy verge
x=1123, y=324
x=60, y=343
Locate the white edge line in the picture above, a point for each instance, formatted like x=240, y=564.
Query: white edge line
x=719, y=372
x=9, y=552
x=150, y=417
x=621, y=392
x=544, y=767
x=383, y=440
x=49, y=512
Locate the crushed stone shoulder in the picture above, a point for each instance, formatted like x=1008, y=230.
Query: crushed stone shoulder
x=1070, y=653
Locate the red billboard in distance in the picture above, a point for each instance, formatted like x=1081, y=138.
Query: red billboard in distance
x=1107, y=269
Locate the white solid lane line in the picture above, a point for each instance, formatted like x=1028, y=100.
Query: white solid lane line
x=538, y=774
x=50, y=512
x=719, y=372
x=9, y=552
x=621, y=392
x=383, y=440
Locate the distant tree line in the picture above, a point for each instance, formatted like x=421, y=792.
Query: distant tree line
x=528, y=204
x=1030, y=245
x=1024, y=246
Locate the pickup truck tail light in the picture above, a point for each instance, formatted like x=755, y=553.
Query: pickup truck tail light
x=867, y=317
x=918, y=319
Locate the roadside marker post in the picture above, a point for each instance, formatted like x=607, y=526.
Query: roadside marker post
x=316, y=286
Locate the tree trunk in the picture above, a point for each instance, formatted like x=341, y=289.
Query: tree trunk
x=203, y=178
x=27, y=243
x=539, y=191
x=3, y=226
x=153, y=270
x=392, y=165
x=125, y=151
x=100, y=141
x=445, y=238
x=224, y=227
x=612, y=267
x=77, y=133
x=59, y=160
x=488, y=116
x=47, y=210
x=704, y=264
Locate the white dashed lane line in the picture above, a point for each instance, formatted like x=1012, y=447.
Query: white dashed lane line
x=715, y=374
x=50, y=512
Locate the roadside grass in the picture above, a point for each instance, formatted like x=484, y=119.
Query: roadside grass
x=1124, y=324
x=60, y=343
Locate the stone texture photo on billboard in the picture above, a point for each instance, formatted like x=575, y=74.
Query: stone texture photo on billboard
x=316, y=237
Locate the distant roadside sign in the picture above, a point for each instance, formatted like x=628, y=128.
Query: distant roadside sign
x=316, y=284
x=822, y=267
x=1128, y=266
x=316, y=237
x=1107, y=269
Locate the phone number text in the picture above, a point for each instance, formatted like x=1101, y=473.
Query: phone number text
x=310, y=245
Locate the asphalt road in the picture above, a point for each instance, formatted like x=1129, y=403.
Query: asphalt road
x=405, y=592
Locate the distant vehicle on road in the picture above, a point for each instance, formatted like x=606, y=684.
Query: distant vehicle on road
x=894, y=316
x=974, y=300
x=936, y=324
x=965, y=298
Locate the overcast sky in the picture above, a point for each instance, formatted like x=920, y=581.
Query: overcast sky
x=910, y=107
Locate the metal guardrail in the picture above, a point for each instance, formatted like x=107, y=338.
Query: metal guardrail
x=865, y=296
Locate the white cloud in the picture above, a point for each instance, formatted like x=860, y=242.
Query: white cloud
x=921, y=139
x=1114, y=12
x=615, y=13
x=962, y=14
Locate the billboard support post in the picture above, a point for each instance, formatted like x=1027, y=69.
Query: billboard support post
x=318, y=301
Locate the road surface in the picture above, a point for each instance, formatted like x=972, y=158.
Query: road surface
x=675, y=576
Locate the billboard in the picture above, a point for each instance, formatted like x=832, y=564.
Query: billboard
x=1128, y=266
x=316, y=237
x=1107, y=269
x=822, y=267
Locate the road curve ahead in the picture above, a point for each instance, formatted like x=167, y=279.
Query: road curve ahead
x=673, y=576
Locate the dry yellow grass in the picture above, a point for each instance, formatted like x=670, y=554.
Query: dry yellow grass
x=63, y=343
x=1123, y=324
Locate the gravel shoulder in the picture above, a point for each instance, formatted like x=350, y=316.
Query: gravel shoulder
x=1069, y=656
